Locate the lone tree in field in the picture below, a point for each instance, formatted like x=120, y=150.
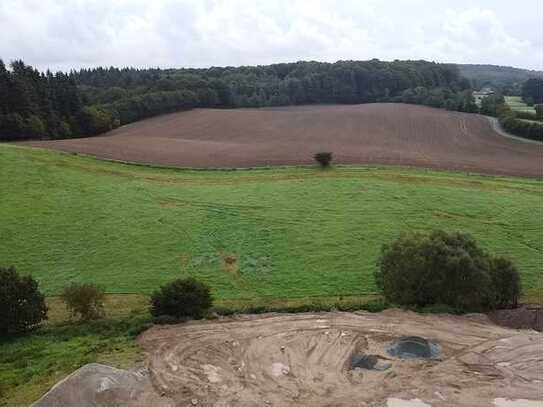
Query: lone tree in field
x=323, y=158
x=446, y=268
x=183, y=298
x=22, y=305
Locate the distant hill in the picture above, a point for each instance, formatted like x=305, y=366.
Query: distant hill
x=504, y=78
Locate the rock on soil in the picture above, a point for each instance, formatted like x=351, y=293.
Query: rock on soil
x=306, y=360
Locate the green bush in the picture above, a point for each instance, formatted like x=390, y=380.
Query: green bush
x=539, y=112
x=449, y=269
x=22, y=305
x=84, y=300
x=513, y=125
x=324, y=159
x=181, y=299
x=506, y=286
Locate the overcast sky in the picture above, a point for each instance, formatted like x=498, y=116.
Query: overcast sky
x=65, y=34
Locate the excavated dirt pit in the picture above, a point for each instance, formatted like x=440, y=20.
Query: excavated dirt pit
x=309, y=360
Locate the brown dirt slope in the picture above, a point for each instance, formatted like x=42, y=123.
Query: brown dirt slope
x=372, y=133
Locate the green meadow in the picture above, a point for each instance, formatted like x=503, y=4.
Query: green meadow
x=283, y=233
x=516, y=104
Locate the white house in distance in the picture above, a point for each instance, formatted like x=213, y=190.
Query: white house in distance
x=479, y=95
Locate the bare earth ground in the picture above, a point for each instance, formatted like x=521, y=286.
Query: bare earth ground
x=372, y=133
x=304, y=360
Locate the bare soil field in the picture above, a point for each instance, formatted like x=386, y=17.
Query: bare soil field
x=307, y=360
x=396, y=134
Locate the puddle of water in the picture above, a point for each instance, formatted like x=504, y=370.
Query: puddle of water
x=369, y=362
x=413, y=347
x=406, y=403
x=517, y=403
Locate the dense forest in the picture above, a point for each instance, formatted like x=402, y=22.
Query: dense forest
x=34, y=104
x=505, y=79
x=532, y=91
x=92, y=101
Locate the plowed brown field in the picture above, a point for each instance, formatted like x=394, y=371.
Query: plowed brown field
x=372, y=133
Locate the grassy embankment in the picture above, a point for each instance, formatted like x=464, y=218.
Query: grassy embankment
x=516, y=104
x=300, y=237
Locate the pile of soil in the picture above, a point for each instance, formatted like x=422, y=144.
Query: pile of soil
x=99, y=385
x=523, y=317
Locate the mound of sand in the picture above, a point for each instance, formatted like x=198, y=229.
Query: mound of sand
x=307, y=360
x=97, y=385
x=523, y=317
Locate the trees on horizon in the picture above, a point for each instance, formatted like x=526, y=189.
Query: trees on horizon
x=34, y=104
x=532, y=91
x=91, y=101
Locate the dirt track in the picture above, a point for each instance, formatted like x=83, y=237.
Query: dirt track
x=372, y=133
x=304, y=360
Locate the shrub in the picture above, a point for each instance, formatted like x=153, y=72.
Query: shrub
x=22, y=305
x=84, y=300
x=441, y=268
x=506, y=283
x=181, y=299
x=539, y=112
x=324, y=159
x=520, y=128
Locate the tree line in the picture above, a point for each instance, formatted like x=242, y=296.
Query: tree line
x=504, y=79
x=92, y=101
x=135, y=94
x=36, y=105
x=532, y=91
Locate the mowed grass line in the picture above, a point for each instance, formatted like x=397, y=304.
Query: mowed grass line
x=294, y=232
x=517, y=104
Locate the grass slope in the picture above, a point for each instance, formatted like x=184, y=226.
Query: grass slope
x=516, y=104
x=31, y=365
x=293, y=232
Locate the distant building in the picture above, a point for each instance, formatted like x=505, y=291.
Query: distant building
x=479, y=95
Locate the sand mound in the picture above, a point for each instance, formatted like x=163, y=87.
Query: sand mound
x=312, y=360
x=99, y=385
x=524, y=317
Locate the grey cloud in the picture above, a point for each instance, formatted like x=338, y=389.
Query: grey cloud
x=64, y=34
